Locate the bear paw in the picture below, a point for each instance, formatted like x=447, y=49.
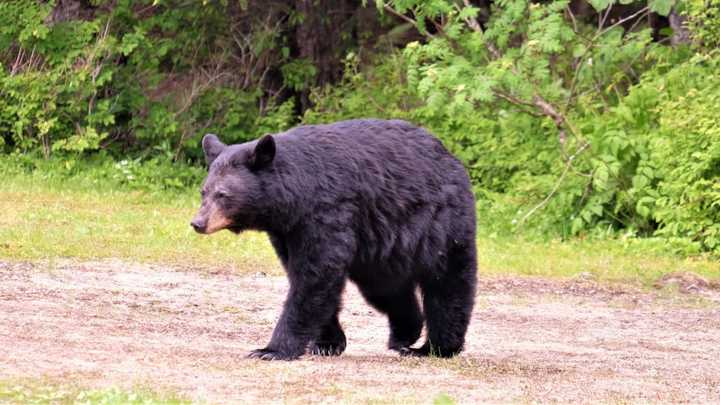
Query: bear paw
x=327, y=348
x=399, y=345
x=425, y=351
x=413, y=352
x=270, y=354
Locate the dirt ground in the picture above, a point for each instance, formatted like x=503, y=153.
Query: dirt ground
x=126, y=325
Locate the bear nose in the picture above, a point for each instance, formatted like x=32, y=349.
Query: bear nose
x=198, y=225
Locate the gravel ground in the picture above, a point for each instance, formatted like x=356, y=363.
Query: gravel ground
x=131, y=325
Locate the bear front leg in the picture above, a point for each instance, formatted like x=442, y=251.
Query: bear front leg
x=313, y=300
x=318, y=256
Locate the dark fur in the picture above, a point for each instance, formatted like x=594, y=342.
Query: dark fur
x=380, y=202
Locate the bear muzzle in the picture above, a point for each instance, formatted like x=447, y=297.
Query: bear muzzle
x=199, y=225
x=207, y=224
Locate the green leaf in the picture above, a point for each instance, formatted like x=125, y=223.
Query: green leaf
x=600, y=178
x=661, y=7
x=666, y=31
x=577, y=225
x=643, y=210
x=596, y=209
x=640, y=181
x=468, y=12
x=130, y=42
x=643, y=206
x=601, y=4
x=579, y=50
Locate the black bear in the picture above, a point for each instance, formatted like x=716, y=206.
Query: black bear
x=382, y=203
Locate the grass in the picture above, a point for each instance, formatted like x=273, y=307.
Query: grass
x=43, y=392
x=632, y=261
x=86, y=218
x=46, y=220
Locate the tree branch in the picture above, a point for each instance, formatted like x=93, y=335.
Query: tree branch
x=622, y=20
x=475, y=26
x=604, y=18
x=568, y=164
x=516, y=101
x=406, y=19
x=549, y=110
x=572, y=17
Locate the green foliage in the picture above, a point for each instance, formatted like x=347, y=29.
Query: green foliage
x=378, y=92
x=150, y=80
x=443, y=399
x=704, y=21
x=298, y=74
x=38, y=93
x=661, y=7
x=156, y=175
x=36, y=392
x=519, y=99
x=22, y=20
x=568, y=125
x=565, y=128
x=686, y=155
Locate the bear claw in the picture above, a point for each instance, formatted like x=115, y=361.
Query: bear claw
x=412, y=352
x=327, y=349
x=269, y=354
x=425, y=351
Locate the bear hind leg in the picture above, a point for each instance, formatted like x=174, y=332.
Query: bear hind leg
x=332, y=341
x=448, y=302
x=404, y=315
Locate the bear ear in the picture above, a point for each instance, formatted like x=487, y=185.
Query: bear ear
x=212, y=147
x=263, y=154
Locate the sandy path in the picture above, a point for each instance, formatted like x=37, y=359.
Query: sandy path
x=129, y=325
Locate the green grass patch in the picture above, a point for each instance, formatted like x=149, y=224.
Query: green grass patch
x=40, y=392
x=638, y=261
x=85, y=218
x=88, y=217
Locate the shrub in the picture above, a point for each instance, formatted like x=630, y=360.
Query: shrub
x=561, y=136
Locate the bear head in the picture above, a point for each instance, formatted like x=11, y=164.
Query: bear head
x=232, y=194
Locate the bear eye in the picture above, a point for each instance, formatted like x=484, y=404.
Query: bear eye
x=203, y=193
x=220, y=194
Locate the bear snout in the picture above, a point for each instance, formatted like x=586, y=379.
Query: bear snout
x=199, y=225
x=210, y=219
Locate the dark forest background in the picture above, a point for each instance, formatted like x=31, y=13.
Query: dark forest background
x=574, y=118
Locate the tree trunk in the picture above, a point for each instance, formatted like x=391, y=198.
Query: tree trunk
x=323, y=36
x=680, y=34
x=68, y=10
